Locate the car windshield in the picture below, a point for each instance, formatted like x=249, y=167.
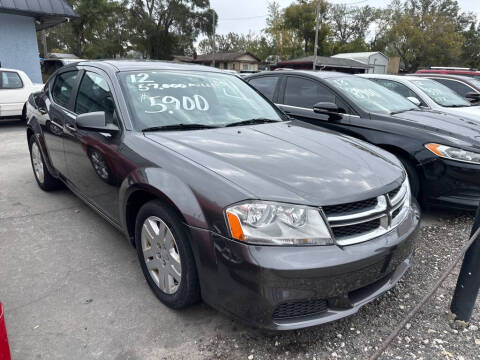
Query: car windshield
x=160, y=98
x=439, y=93
x=475, y=81
x=370, y=96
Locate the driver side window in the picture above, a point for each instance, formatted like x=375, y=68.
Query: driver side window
x=94, y=95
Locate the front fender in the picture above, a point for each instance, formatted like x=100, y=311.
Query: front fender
x=163, y=185
x=34, y=128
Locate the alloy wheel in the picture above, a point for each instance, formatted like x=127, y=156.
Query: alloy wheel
x=37, y=162
x=161, y=254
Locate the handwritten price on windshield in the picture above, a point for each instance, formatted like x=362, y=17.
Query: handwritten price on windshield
x=187, y=103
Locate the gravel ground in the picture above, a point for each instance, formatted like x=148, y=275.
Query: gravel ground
x=428, y=336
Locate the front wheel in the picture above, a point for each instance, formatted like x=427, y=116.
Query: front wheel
x=165, y=255
x=412, y=177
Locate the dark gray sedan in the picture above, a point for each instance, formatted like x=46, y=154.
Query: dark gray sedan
x=277, y=222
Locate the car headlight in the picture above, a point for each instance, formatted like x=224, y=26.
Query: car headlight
x=271, y=223
x=452, y=153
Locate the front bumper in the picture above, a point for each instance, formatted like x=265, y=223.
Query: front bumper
x=269, y=286
x=451, y=183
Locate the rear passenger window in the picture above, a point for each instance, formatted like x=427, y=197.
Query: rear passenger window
x=10, y=80
x=306, y=93
x=266, y=85
x=63, y=87
x=94, y=95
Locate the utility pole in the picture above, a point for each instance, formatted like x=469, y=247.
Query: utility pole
x=213, y=39
x=44, y=44
x=317, y=25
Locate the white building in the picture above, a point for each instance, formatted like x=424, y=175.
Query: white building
x=376, y=59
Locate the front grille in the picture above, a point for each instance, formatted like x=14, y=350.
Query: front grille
x=394, y=192
x=357, y=229
x=350, y=207
x=299, y=309
x=396, y=212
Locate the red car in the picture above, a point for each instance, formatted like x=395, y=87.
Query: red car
x=451, y=71
x=4, y=348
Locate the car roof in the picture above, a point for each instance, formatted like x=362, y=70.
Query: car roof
x=135, y=65
x=317, y=74
x=390, y=77
x=15, y=70
x=447, y=76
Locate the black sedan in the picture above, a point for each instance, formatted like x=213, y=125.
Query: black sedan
x=440, y=152
x=277, y=222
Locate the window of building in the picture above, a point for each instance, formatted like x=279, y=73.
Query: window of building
x=245, y=67
x=63, y=87
x=10, y=80
x=233, y=66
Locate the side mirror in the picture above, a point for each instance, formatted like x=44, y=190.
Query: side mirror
x=95, y=121
x=414, y=100
x=328, y=108
x=472, y=96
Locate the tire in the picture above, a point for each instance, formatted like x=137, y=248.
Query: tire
x=45, y=180
x=412, y=176
x=168, y=266
x=24, y=113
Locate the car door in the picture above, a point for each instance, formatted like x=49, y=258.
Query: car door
x=56, y=105
x=13, y=93
x=91, y=156
x=300, y=94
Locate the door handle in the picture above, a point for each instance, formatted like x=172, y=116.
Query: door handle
x=70, y=127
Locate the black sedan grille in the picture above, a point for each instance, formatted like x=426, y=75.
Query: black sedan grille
x=299, y=309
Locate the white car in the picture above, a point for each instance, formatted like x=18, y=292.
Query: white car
x=15, y=88
x=428, y=94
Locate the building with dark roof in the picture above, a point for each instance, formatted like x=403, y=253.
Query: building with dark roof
x=19, y=22
x=241, y=61
x=325, y=63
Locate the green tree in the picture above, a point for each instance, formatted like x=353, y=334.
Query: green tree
x=471, y=46
x=162, y=28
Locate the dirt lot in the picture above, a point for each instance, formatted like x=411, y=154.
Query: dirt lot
x=72, y=289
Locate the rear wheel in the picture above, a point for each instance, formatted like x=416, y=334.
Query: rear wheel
x=45, y=180
x=165, y=255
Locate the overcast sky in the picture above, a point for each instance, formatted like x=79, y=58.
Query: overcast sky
x=242, y=16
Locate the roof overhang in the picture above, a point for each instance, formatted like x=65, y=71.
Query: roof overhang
x=46, y=13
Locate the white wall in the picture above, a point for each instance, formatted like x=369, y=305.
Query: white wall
x=379, y=62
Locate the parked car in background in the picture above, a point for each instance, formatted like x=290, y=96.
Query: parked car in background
x=15, y=88
x=280, y=223
x=466, y=87
x=49, y=66
x=428, y=94
x=451, y=71
x=440, y=152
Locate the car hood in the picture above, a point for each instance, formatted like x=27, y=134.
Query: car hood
x=451, y=127
x=471, y=112
x=289, y=161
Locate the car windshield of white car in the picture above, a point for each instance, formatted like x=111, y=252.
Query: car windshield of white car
x=441, y=94
x=370, y=96
x=162, y=99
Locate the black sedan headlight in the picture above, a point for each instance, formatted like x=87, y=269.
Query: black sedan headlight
x=452, y=153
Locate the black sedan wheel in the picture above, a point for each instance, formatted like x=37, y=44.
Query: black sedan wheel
x=165, y=255
x=44, y=179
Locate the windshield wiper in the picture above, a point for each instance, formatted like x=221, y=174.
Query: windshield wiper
x=401, y=111
x=179, y=127
x=253, y=122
